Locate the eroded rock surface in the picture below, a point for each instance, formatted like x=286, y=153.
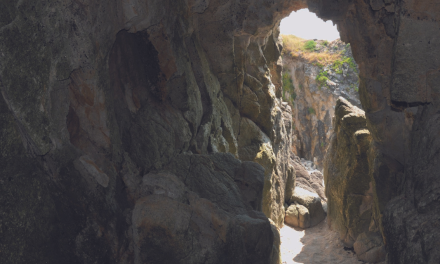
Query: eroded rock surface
x=349, y=188
x=100, y=104
x=194, y=212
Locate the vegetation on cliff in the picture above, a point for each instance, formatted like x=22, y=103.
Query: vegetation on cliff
x=315, y=74
x=314, y=51
x=326, y=55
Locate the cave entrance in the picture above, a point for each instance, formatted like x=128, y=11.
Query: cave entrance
x=318, y=68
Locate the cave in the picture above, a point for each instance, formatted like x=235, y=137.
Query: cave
x=156, y=131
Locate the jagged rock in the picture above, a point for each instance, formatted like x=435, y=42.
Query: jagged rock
x=349, y=186
x=254, y=145
x=346, y=173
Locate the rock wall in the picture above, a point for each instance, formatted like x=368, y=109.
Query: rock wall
x=395, y=47
x=351, y=191
x=314, y=100
x=114, y=118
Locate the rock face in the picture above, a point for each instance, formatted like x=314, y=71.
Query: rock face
x=95, y=97
x=175, y=221
x=315, y=88
x=109, y=113
x=350, y=189
x=392, y=41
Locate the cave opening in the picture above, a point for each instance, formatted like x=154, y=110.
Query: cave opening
x=318, y=68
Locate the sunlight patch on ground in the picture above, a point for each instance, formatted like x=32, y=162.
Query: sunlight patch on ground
x=291, y=244
x=316, y=245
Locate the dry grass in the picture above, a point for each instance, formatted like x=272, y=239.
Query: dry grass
x=293, y=43
x=294, y=46
x=323, y=58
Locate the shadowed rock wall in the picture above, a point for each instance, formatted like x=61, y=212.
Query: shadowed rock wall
x=114, y=116
x=395, y=46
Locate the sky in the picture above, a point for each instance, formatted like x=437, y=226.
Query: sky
x=307, y=25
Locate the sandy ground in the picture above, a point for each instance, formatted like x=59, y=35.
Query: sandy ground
x=316, y=245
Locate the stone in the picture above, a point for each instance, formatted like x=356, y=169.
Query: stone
x=311, y=202
x=346, y=174
x=297, y=216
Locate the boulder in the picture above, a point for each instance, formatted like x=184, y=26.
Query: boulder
x=311, y=202
x=297, y=216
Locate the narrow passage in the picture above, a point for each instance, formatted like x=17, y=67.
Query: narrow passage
x=315, y=245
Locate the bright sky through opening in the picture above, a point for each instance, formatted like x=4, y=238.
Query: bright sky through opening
x=307, y=25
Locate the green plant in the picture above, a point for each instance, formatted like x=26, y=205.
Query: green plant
x=350, y=61
x=288, y=86
x=322, y=144
x=311, y=111
x=310, y=45
x=320, y=65
x=325, y=43
x=322, y=78
x=356, y=88
x=337, y=65
x=293, y=96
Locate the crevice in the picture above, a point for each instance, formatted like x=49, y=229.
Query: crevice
x=400, y=106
